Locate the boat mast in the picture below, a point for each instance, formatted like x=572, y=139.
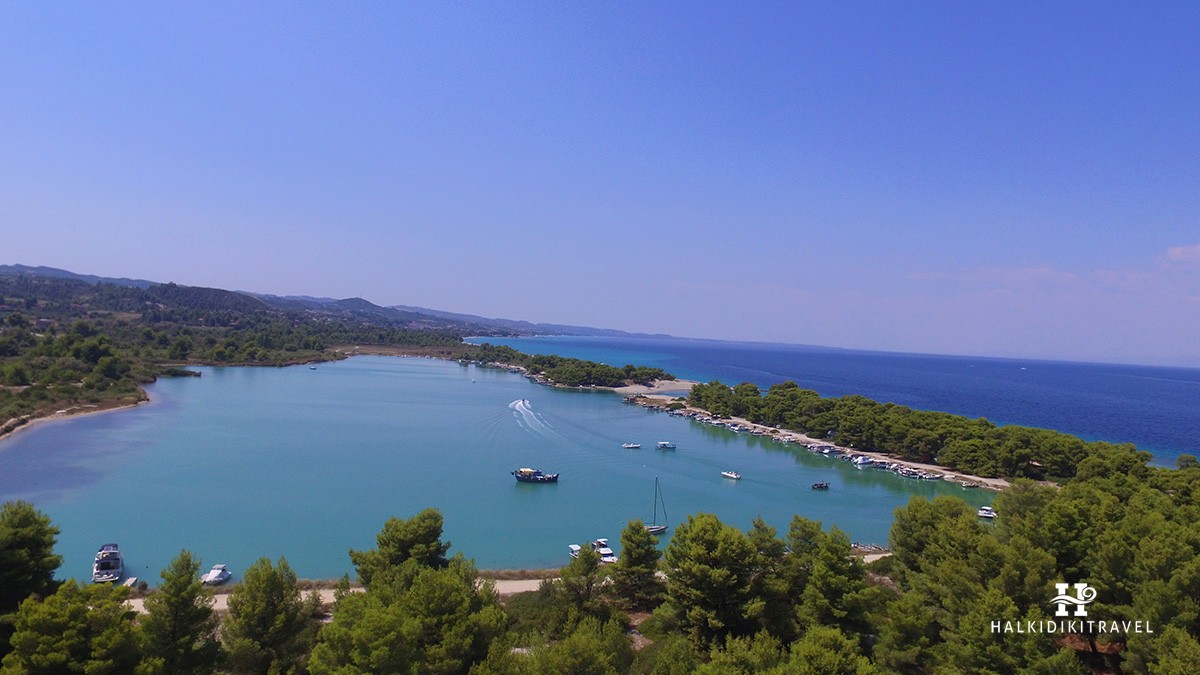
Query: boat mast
x=655, y=521
x=659, y=498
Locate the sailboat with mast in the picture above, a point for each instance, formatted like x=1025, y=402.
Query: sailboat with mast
x=654, y=527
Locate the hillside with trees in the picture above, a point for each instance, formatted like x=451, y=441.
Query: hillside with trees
x=70, y=344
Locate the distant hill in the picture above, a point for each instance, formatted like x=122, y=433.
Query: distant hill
x=56, y=273
x=354, y=310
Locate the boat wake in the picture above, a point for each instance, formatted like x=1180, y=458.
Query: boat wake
x=530, y=420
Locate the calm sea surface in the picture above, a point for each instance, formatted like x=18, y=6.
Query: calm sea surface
x=1158, y=409
x=250, y=462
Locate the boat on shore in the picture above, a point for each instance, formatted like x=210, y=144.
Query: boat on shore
x=218, y=575
x=666, y=445
x=732, y=474
x=527, y=475
x=109, y=566
x=631, y=446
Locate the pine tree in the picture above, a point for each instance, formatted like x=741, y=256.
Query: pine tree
x=635, y=576
x=179, y=629
x=267, y=630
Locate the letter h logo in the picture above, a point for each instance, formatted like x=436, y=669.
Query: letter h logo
x=1084, y=594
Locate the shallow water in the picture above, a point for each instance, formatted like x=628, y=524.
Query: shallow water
x=249, y=462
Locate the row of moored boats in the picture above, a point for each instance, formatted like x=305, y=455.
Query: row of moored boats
x=109, y=568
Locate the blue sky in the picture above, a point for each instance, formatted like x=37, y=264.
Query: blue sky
x=1008, y=179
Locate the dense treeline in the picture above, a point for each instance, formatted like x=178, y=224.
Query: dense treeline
x=974, y=446
x=726, y=601
x=569, y=371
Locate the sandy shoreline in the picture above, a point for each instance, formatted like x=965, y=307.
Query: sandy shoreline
x=661, y=401
x=16, y=425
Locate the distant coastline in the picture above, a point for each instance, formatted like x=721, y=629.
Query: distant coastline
x=662, y=402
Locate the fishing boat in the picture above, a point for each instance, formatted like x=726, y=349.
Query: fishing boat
x=527, y=475
x=654, y=527
x=631, y=446
x=732, y=474
x=666, y=445
x=820, y=486
x=109, y=566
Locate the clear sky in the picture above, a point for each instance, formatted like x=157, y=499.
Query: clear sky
x=993, y=178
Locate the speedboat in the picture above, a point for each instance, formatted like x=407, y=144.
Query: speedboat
x=527, y=475
x=986, y=512
x=732, y=474
x=109, y=565
x=666, y=445
x=216, y=576
x=631, y=446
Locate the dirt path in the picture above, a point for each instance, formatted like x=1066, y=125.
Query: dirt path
x=504, y=587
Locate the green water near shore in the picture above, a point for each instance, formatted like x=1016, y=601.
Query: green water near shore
x=250, y=462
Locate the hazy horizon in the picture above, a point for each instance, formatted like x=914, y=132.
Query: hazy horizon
x=1014, y=181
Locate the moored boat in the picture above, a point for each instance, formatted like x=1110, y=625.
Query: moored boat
x=109, y=566
x=527, y=475
x=986, y=512
x=654, y=527
x=219, y=574
x=600, y=546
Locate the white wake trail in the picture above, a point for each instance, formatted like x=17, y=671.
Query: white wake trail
x=530, y=420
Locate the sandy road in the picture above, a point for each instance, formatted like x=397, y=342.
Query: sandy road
x=221, y=600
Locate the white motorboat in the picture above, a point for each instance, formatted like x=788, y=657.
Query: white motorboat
x=986, y=512
x=109, y=566
x=216, y=576
x=666, y=445
x=732, y=474
x=631, y=446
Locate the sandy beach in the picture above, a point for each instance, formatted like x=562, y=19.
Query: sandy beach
x=18, y=424
x=658, y=400
x=658, y=387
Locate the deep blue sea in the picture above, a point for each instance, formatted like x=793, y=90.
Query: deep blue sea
x=1156, y=408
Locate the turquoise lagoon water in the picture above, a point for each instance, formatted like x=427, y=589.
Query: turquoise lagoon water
x=243, y=463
